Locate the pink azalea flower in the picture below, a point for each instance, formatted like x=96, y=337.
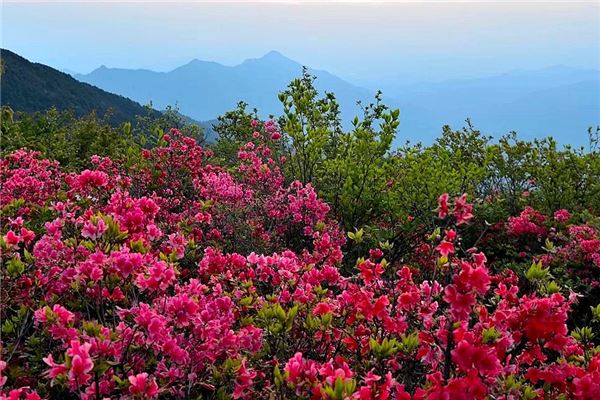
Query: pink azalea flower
x=143, y=387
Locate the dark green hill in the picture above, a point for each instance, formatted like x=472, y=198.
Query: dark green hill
x=31, y=87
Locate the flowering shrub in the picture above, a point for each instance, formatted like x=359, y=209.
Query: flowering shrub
x=170, y=277
x=564, y=247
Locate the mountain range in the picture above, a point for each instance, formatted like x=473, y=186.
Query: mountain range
x=204, y=90
x=559, y=101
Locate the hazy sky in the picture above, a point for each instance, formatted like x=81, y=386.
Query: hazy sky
x=361, y=41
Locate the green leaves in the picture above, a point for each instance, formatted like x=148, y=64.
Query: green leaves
x=313, y=323
x=246, y=301
x=279, y=378
x=138, y=246
x=388, y=347
x=15, y=322
x=12, y=207
x=550, y=288
x=384, y=349
x=548, y=246
x=490, y=335
x=409, y=343
x=596, y=313
x=15, y=267
x=356, y=236
x=341, y=389
x=537, y=272
x=114, y=233
x=529, y=393
x=275, y=319
x=584, y=334
x=386, y=245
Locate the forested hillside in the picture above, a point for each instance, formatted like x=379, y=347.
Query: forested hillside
x=31, y=87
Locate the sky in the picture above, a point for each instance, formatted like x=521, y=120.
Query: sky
x=361, y=41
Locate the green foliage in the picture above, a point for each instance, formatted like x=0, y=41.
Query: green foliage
x=151, y=126
x=61, y=136
x=233, y=130
x=312, y=125
x=537, y=272
x=556, y=178
x=347, y=168
x=455, y=163
x=72, y=140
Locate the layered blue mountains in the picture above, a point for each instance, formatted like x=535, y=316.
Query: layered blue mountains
x=559, y=101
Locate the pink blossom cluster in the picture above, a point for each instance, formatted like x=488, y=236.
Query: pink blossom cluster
x=529, y=222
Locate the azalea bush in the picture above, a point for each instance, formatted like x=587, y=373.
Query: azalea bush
x=165, y=275
x=560, y=250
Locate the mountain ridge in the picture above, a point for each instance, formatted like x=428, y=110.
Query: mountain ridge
x=256, y=81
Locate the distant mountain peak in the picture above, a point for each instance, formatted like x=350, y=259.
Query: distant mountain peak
x=196, y=65
x=273, y=54
x=272, y=57
x=101, y=69
x=197, y=61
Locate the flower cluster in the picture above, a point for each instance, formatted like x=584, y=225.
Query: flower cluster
x=529, y=222
x=170, y=277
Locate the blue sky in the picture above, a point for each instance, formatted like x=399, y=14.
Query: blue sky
x=361, y=41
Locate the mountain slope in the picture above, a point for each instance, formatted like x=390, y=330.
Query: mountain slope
x=31, y=87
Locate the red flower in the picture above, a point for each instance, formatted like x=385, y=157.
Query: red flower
x=461, y=304
x=562, y=215
x=321, y=309
x=463, y=211
x=445, y=248
x=476, y=357
x=12, y=239
x=81, y=363
x=443, y=205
